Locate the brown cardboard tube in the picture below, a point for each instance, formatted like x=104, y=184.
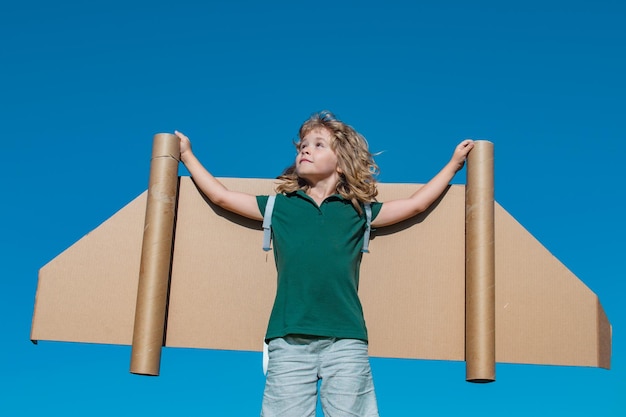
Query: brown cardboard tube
x=156, y=256
x=480, y=265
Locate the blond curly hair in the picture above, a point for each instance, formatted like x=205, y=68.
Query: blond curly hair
x=357, y=182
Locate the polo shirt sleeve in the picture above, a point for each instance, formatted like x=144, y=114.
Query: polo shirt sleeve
x=261, y=201
x=376, y=206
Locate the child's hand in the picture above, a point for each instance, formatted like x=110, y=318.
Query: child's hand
x=185, y=143
x=460, y=153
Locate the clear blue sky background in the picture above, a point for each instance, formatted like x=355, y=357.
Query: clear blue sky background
x=85, y=85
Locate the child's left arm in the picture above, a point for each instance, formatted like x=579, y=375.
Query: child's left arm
x=395, y=211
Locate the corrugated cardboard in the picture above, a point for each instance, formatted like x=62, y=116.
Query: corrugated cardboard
x=412, y=285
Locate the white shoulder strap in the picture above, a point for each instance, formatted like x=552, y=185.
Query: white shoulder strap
x=267, y=223
x=267, y=238
x=368, y=228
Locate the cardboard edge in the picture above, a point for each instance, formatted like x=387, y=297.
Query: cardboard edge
x=33, y=321
x=605, y=336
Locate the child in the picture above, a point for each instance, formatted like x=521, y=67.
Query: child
x=316, y=329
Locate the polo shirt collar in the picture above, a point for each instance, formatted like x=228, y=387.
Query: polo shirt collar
x=303, y=194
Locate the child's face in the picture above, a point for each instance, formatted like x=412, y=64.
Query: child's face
x=316, y=160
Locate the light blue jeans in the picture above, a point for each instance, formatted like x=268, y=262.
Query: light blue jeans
x=297, y=363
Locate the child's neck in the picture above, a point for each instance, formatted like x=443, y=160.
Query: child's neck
x=321, y=191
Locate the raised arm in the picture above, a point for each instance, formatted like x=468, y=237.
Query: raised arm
x=237, y=202
x=395, y=211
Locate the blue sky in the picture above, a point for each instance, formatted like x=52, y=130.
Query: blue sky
x=85, y=86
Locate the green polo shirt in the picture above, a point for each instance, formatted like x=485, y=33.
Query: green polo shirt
x=317, y=250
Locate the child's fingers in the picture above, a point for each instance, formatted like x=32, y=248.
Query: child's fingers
x=465, y=146
x=466, y=143
x=180, y=135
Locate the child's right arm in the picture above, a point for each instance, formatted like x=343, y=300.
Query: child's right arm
x=237, y=202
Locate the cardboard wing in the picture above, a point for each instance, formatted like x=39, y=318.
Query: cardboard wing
x=412, y=285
